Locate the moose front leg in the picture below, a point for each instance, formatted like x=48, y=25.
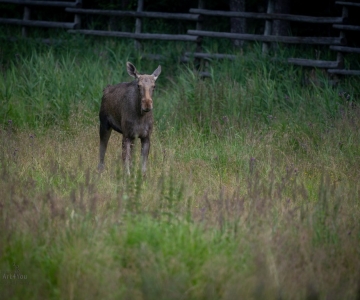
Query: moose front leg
x=127, y=146
x=145, y=147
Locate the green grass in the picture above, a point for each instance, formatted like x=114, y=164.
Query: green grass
x=252, y=189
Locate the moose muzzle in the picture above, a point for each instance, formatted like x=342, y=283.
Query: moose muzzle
x=146, y=105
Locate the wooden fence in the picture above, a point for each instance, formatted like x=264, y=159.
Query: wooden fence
x=341, y=50
x=197, y=15
x=28, y=5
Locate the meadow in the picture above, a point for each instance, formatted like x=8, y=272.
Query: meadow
x=252, y=189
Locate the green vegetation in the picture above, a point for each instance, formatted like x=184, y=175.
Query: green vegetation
x=252, y=190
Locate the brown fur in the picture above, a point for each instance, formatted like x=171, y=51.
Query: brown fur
x=127, y=108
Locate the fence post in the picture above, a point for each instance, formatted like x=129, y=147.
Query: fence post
x=268, y=26
x=77, y=18
x=138, y=23
x=201, y=5
x=198, y=62
x=26, y=17
x=340, y=55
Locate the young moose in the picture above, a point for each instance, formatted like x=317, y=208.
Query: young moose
x=127, y=108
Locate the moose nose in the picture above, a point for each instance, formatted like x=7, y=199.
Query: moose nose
x=147, y=105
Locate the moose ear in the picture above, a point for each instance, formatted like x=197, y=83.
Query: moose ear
x=131, y=70
x=157, y=72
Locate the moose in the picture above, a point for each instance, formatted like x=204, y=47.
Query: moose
x=127, y=108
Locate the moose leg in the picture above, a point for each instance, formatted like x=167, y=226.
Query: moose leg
x=127, y=145
x=105, y=133
x=145, y=147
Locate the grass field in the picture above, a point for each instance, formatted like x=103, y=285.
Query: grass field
x=252, y=189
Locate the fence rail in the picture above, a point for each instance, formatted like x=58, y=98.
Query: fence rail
x=32, y=23
x=267, y=16
x=43, y=3
x=313, y=63
x=344, y=72
x=347, y=4
x=139, y=36
x=271, y=38
x=347, y=27
x=338, y=44
x=142, y=14
x=345, y=49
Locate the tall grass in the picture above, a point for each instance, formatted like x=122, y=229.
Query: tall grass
x=252, y=190
x=45, y=84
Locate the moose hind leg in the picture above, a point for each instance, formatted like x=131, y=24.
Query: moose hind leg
x=105, y=132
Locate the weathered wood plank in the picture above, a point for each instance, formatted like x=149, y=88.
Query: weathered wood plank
x=26, y=17
x=139, y=36
x=271, y=38
x=210, y=55
x=313, y=63
x=49, y=41
x=347, y=3
x=268, y=26
x=344, y=72
x=339, y=55
x=266, y=16
x=347, y=27
x=345, y=49
x=43, y=3
x=199, y=26
x=33, y=23
x=135, y=14
x=138, y=23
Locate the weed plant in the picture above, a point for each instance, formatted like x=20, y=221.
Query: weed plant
x=252, y=190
